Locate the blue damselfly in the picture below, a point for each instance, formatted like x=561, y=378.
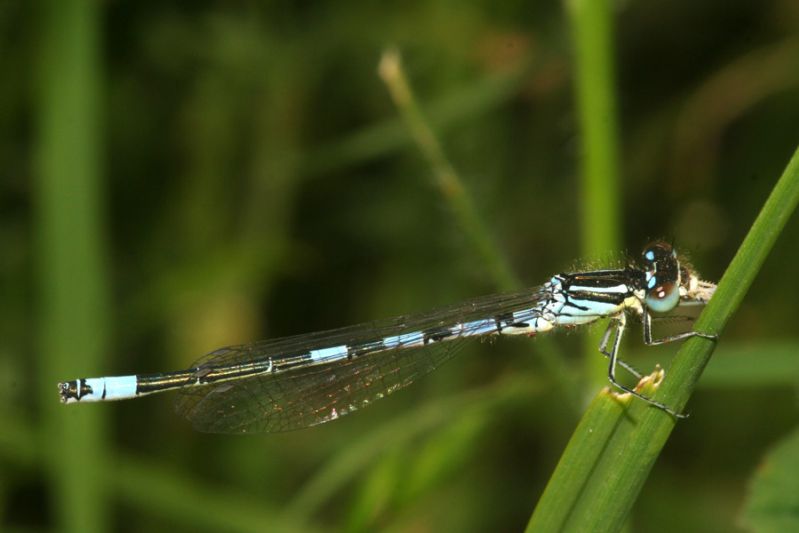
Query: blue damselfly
x=301, y=381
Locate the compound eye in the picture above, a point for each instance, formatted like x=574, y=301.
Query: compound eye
x=657, y=251
x=663, y=297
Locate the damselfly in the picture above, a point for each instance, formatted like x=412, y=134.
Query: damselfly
x=301, y=381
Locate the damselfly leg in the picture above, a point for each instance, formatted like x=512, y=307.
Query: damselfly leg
x=649, y=341
x=603, y=349
x=616, y=328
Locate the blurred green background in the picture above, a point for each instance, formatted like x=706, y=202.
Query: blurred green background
x=182, y=176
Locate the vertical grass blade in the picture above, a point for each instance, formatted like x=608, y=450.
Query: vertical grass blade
x=592, y=40
x=71, y=278
x=592, y=36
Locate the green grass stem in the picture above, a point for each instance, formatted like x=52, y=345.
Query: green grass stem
x=592, y=38
x=72, y=281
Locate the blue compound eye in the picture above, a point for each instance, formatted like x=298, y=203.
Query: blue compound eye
x=663, y=297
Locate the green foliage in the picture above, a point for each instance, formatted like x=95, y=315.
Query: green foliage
x=773, y=501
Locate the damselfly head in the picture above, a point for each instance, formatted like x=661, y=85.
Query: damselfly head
x=671, y=280
x=663, y=280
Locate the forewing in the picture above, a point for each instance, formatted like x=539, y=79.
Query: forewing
x=319, y=392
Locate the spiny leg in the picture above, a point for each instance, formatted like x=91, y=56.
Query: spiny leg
x=603, y=349
x=621, y=323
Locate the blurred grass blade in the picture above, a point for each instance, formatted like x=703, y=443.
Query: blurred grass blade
x=592, y=37
x=464, y=104
x=157, y=489
x=449, y=182
x=754, y=364
x=745, y=365
x=161, y=490
x=455, y=193
x=608, y=487
x=71, y=278
x=345, y=466
x=773, y=500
